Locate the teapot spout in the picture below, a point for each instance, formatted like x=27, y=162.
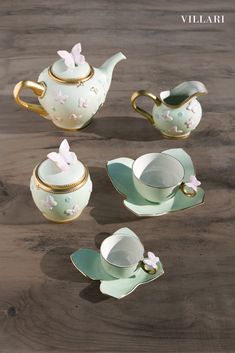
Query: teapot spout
x=108, y=66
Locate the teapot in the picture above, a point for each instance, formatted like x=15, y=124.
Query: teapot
x=70, y=91
x=61, y=185
x=176, y=112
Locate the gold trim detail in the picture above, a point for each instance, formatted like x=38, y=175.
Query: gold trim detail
x=186, y=192
x=76, y=129
x=59, y=189
x=176, y=137
x=71, y=80
x=139, y=110
x=38, y=88
x=64, y=220
x=150, y=271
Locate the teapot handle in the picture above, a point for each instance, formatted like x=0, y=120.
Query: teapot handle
x=39, y=88
x=144, y=93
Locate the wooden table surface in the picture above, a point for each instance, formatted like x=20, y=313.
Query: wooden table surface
x=45, y=304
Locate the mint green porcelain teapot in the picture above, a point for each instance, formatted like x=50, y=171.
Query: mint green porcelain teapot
x=176, y=112
x=70, y=91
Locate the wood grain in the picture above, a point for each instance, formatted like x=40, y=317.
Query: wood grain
x=45, y=304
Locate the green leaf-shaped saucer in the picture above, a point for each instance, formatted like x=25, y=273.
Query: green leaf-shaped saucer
x=120, y=173
x=87, y=261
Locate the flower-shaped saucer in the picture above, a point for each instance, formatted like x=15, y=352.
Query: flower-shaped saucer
x=120, y=173
x=88, y=262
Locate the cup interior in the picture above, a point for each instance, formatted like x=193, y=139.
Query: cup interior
x=158, y=170
x=122, y=250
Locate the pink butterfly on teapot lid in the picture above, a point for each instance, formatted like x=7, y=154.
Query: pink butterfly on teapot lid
x=62, y=167
x=71, y=65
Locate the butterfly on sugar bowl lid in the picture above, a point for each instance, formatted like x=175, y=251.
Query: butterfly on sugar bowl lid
x=70, y=91
x=61, y=185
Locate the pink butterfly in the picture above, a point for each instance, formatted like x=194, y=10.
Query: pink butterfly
x=151, y=260
x=64, y=158
x=50, y=202
x=72, y=211
x=193, y=182
x=61, y=98
x=74, y=58
x=83, y=103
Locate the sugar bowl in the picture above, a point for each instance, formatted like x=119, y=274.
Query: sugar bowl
x=61, y=185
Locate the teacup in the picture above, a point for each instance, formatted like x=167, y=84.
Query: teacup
x=121, y=255
x=158, y=176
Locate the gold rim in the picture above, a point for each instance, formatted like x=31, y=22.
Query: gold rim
x=71, y=80
x=76, y=129
x=59, y=189
x=179, y=137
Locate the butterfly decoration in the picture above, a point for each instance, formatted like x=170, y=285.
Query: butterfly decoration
x=166, y=116
x=75, y=117
x=74, y=58
x=189, y=123
x=151, y=260
x=72, y=211
x=83, y=103
x=64, y=158
x=192, y=106
x=94, y=89
x=193, y=183
x=175, y=129
x=50, y=202
x=61, y=98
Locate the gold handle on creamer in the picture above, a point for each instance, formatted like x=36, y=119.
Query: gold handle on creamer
x=144, y=93
x=38, y=88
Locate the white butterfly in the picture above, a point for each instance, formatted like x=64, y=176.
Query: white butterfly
x=190, y=123
x=166, y=116
x=61, y=98
x=83, y=103
x=50, y=202
x=151, y=260
x=74, y=58
x=64, y=158
x=75, y=117
x=94, y=89
x=192, y=106
x=175, y=129
x=72, y=211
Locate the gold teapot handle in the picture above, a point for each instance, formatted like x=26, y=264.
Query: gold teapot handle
x=144, y=93
x=38, y=88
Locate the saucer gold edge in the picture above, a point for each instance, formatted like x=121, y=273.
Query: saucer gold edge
x=134, y=288
x=165, y=213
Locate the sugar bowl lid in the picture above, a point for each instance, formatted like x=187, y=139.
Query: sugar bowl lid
x=61, y=171
x=72, y=67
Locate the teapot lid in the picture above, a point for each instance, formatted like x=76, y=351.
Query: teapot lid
x=71, y=67
x=61, y=170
